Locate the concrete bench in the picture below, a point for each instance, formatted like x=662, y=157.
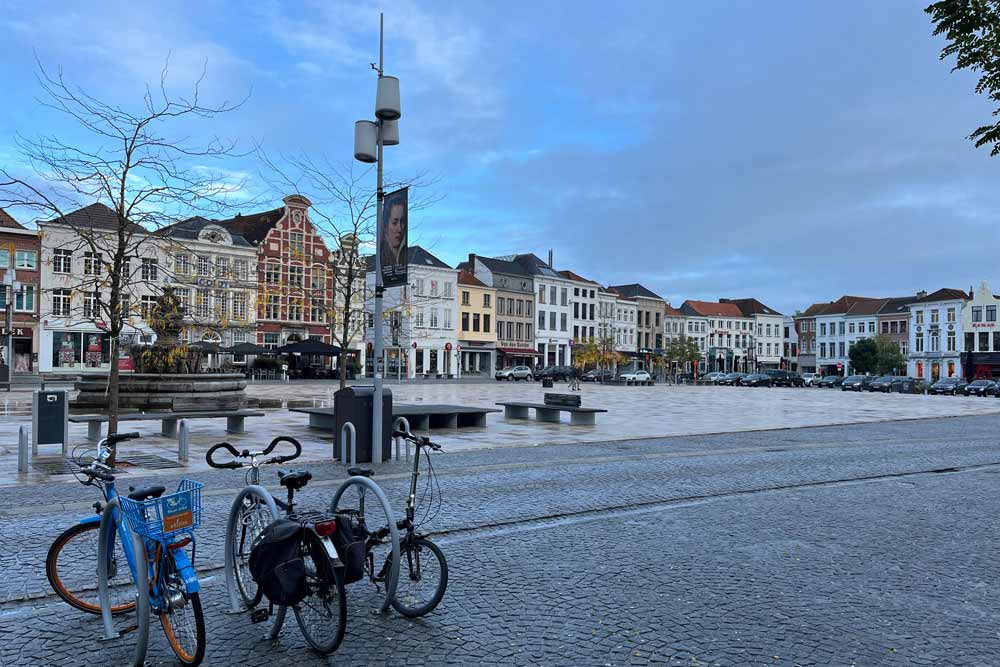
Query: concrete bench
x=420, y=417
x=550, y=413
x=234, y=420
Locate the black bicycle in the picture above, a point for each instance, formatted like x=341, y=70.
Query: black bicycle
x=423, y=575
x=322, y=613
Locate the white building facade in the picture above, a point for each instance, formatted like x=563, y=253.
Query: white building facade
x=981, y=339
x=935, y=334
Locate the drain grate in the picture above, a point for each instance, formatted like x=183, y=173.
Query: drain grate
x=54, y=465
x=57, y=465
x=147, y=461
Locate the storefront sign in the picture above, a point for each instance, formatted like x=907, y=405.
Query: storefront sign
x=984, y=325
x=18, y=332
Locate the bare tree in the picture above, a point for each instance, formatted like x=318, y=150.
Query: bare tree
x=344, y=203
x=138, y=163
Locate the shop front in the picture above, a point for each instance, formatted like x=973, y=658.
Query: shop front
x=516, y=356
x=476, y=358
x=981, y=365
x=82, y=350
x=25, y=357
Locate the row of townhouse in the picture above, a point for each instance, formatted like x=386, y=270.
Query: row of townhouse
x=945, y=333
x=266, y=278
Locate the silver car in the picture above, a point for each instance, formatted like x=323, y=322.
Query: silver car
x=512, y=373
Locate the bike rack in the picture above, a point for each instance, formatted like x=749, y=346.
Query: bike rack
x=395, y=427
x=22, y=449
x=265, y=496
x=182, y=441
x=106, y=535
x=393, y=578
x=349, y=428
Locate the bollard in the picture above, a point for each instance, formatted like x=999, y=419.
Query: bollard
x=348, y=428
x=182, y=441
x=22, y=449
x=406, y=427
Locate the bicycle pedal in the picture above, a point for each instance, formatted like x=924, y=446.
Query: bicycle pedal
x=259, y=615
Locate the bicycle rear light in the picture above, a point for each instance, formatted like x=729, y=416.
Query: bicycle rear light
x=326, y=528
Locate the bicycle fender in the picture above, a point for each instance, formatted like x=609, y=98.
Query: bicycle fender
x=186, y=569
x=91, y=519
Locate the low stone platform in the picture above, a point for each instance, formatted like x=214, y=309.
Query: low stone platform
x=165, y=392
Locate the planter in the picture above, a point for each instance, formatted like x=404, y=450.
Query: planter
x=166, y=392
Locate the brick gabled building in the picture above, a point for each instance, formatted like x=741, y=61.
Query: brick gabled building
x=20, y=249
x=294, y=281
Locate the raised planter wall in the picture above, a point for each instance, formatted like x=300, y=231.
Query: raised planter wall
x=167, y=393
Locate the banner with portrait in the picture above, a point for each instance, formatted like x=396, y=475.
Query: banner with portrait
x=393, y=241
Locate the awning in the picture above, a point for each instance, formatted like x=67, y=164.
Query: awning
x=314, y=347
x=519, y=351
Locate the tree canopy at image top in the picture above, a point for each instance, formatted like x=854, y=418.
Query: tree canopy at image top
x=131, y=168
x=972, y=28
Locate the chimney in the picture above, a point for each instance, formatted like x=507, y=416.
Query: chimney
x=550, y=258
x=921, y=294
x=472, y=262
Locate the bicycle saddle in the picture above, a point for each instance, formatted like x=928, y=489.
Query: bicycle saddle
x=295, y=479
x=145, y=493
x=363, y=472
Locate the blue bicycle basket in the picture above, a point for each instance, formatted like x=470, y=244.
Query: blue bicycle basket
x=159, y=518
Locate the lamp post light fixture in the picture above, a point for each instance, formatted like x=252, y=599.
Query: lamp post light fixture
x=369, y=138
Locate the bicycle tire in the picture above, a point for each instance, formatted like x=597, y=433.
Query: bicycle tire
x=188, y=652
x=243, y=540
x=327, y=598
x=71, y=593
x=411, y=570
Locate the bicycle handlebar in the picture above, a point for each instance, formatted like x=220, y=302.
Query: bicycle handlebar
x=232, y=465
x=420, y=441
x=284, y=458
x=93, y=471
x=114, y=438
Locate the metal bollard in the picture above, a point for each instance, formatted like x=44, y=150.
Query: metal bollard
x=22, y=449
x=348, y=428
x=182, y=441
x=406, y=427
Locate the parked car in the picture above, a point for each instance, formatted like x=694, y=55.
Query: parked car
x=731, y=379
x=512, y=373
x=598, y=375
x=830, y=381
x=635, y=376
x=714, y=377
x=952, y=385
x=883, y=384
x=554, y=373
x=757, y=380
x=854, y=383
x=781, y=378
x=981, y=388
x=811, y=379
x=796, y=379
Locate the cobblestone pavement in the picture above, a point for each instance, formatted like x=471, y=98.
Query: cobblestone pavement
x=854, y=545
x=633, y=412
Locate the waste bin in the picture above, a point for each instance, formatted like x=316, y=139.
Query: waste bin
x=547, y=383
x=49, y=418
x=354, y=404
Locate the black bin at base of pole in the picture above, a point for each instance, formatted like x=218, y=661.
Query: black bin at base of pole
x=354, y=404
x=547, y=383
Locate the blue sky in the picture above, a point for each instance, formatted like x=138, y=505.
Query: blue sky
x=788, y=151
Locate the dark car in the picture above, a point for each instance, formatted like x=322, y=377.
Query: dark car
x=554, y=373
x=882, y=384
x=598, y=375
x=757, y=380
x=783, y=378
x=830, y=381
x=853, y=383
x=797, y=380
x=731, y=379
x=981, y=388
x=952, y=385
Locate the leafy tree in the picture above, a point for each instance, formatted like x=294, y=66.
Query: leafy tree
x=889, y=357
x=972, y=28
x=864, y=356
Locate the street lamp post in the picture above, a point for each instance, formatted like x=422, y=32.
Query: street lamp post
x=11, y=287
x=384, y=131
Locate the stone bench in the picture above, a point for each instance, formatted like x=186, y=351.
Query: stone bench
x=420, y=417
x=234, y=420
x=550, y=413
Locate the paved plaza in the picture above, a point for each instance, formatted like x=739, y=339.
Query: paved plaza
x=865, y=545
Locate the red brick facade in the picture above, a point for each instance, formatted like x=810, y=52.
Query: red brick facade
x=14, y=238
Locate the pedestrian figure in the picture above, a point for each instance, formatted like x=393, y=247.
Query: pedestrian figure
x=574, y=380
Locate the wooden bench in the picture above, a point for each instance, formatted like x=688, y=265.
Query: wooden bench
x=420, y=417
x=550, y=413
x=234, y=420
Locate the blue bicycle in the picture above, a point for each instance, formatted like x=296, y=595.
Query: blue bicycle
x=145, y=527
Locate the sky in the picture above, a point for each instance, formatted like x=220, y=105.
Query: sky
x=788, y=151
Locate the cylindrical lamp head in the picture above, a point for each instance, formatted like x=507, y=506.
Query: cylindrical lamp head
x=390, y=132
x=387, y=98
x=365, y=141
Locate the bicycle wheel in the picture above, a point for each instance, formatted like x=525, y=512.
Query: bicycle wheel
x=322, y=615
x=71, y=567
x=423, y=577
x=181, y=615
x=253, y=519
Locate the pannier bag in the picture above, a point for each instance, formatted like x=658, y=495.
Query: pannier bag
x=350, y=545
x=276, y=563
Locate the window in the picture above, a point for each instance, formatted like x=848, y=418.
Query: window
x=447, y=289
x=27, y=259
x=420, y=318
x=970, y=342
x=434, y=311
x=91, y=263
x=239, y=336
x=271, y=340
x=951, y=341
x=420, y=286
x=221, y=304
x=920, y=317
x=475, y=321
x=565, y=296
x=182, y=264
x=935, y=316
x=841, y=327
x=201, y=303
x=822, y=330
x=552, y=321
x=527, y=307
x=465, y=298
x=510, y=329
x=222, y=267
x=296, y=241
x=61, y=299
x=62, y=261
x=991, y=313
x=4, y=258
x=977, y=313
x=317, y=278
x=541, y=320
x=541, y=294
x=984, y=341
x=295, y=274
x=486, y=322
x=239, y=305
x=24, y=300
x=889, y=327
x=996, y=341
x=935, y=341
x=562, y=321
x=146, y=304
x=242, y=268
x=850, y=328
x=465, y=321
x=295, y=310
x=150, y=270
x=434, y=288
x=902, y=326
x=841, y=347
x=903, y=347
x=871, y=327
x=184, y=296
x=447, y=318
x=272, y=273
x=316, y=311
x=576, y=291
x=500, y=305
x=91, y=305
x=552, y=294
x=951, y=315
x=576, y=311
x=204, y=265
